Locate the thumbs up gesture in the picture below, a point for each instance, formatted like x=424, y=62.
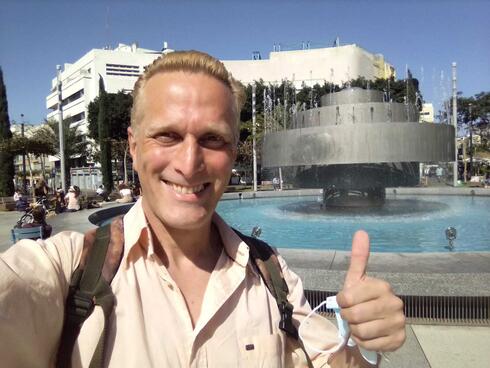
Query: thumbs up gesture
x=374, y=314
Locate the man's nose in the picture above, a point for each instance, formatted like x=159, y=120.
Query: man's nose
x=189, y=159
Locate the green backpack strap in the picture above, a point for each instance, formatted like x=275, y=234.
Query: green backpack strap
x=265, y=259
x=90, y=286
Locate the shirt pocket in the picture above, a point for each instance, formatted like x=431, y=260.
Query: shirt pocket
x=262, y=351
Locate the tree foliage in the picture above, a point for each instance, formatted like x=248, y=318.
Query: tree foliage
x=104, y=137
x=34, y=145
x=6, y=157
x=109, y=128
x=118, y=112
x=75, y=142
x=478, y=119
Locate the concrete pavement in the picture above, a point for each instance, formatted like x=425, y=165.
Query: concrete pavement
x=77, y=221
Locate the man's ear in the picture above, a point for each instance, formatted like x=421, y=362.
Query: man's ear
x=133, y=147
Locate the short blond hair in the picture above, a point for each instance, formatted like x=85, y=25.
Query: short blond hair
x=192, y=62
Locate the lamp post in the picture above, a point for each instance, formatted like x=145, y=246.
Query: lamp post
x=23, y=155
x=61, y=132
x=455, y=123
x=254, y=151
x=471, y=142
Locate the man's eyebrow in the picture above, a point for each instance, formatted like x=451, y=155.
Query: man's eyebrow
x=211, y=128
x=158, y=126
x=220, y=129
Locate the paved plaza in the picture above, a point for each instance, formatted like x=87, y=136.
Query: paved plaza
x=436, y=346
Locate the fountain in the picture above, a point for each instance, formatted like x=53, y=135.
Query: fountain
x=354, y=146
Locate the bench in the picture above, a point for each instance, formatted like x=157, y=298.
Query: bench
x=26, y=233
x=477, y=181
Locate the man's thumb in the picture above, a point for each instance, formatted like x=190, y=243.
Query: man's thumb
x=359, y=258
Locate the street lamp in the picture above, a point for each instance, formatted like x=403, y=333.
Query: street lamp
x=23, y=155
x=455, y=124
x=471, y=142
x=254, y=151
x=60, y=129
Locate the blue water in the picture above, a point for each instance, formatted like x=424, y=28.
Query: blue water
x=405, y=224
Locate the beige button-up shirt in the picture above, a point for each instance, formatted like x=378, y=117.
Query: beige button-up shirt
x=150, y=325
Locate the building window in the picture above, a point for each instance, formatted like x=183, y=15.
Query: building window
x=76, y=118
x=73, y=97
x=122, y=70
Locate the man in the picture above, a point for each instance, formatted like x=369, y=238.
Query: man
x=186, y=292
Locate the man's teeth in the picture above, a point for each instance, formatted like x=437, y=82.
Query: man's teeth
x=187, y=190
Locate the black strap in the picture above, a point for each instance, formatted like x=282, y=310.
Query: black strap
x=265, y=260
x=87, y=289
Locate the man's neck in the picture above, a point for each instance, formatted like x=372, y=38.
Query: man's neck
x=175, y=247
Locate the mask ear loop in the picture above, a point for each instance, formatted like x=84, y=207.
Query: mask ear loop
x=343, y=339
x=344, y=332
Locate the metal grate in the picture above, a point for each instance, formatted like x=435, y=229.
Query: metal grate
x=443, y=310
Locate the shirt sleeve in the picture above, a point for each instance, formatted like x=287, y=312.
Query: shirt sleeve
x=34, y=281
x=319, y=333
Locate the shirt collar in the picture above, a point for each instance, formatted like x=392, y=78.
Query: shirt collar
x=234, y=246
x=136, y=231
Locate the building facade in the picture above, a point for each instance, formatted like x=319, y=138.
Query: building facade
x=120, y=68
x=337, y=65
x=427, y=113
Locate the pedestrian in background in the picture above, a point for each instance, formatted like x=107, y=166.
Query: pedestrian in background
x=125, y=192
x=72, y=200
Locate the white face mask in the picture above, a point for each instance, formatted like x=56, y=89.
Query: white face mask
x=344, y=332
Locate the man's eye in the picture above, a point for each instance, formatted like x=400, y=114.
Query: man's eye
x=212, y=141
x=167, y=137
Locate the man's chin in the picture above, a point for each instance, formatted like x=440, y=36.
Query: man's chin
x=186, y=222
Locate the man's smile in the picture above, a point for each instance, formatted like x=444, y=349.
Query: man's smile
x=183, y=189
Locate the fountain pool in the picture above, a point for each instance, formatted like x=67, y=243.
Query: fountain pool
x=412, y=224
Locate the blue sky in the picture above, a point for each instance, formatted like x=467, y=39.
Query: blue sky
x=426, y=35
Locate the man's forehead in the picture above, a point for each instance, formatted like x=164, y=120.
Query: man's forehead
x=170, y=78
x=168, y=88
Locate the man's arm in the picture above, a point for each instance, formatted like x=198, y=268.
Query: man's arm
x=34, y=279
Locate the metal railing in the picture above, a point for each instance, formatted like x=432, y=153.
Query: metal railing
x=422, y=309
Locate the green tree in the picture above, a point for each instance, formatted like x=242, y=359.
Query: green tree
x=478, y=120
x=6, y=157
x=118, y=111
x=32, y=144
x=47, y=139
x=75, y=142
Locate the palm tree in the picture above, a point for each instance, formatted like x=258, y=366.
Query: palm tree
x=75, y=142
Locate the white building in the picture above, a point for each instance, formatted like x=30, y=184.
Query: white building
x=121, y=67
x=336, y=65
x=427, y=113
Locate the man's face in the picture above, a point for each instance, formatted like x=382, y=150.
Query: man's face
x=183, y=147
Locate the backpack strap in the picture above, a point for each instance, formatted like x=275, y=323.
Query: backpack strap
x=90, y=286
x=101, y=256
x=267, y=263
